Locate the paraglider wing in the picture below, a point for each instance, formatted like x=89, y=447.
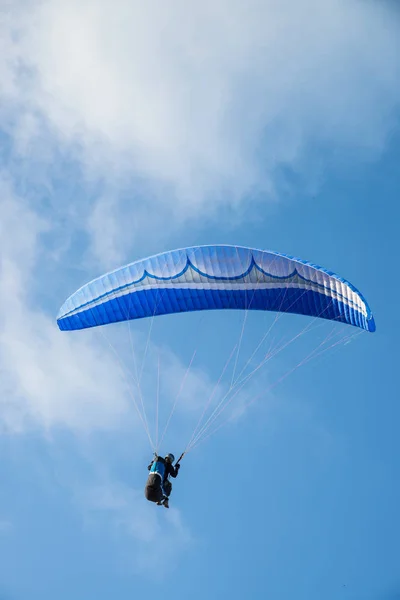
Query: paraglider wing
x=215, y=277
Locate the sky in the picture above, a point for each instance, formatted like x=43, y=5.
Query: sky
x=128, y=129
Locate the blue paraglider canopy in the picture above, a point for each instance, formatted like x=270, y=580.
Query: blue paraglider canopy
x=215, y=277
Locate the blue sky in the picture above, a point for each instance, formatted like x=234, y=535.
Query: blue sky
x=129, y=130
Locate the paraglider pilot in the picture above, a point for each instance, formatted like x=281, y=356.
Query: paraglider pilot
x=158, y=487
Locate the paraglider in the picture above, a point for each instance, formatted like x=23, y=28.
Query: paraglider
x=218, y=277
x=158, y=487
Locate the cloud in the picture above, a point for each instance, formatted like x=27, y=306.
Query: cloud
x=207, y=102
x=46, y=378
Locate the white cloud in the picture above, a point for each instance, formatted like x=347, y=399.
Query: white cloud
x=183, y=109
x=208, y=98
x=47, y=378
